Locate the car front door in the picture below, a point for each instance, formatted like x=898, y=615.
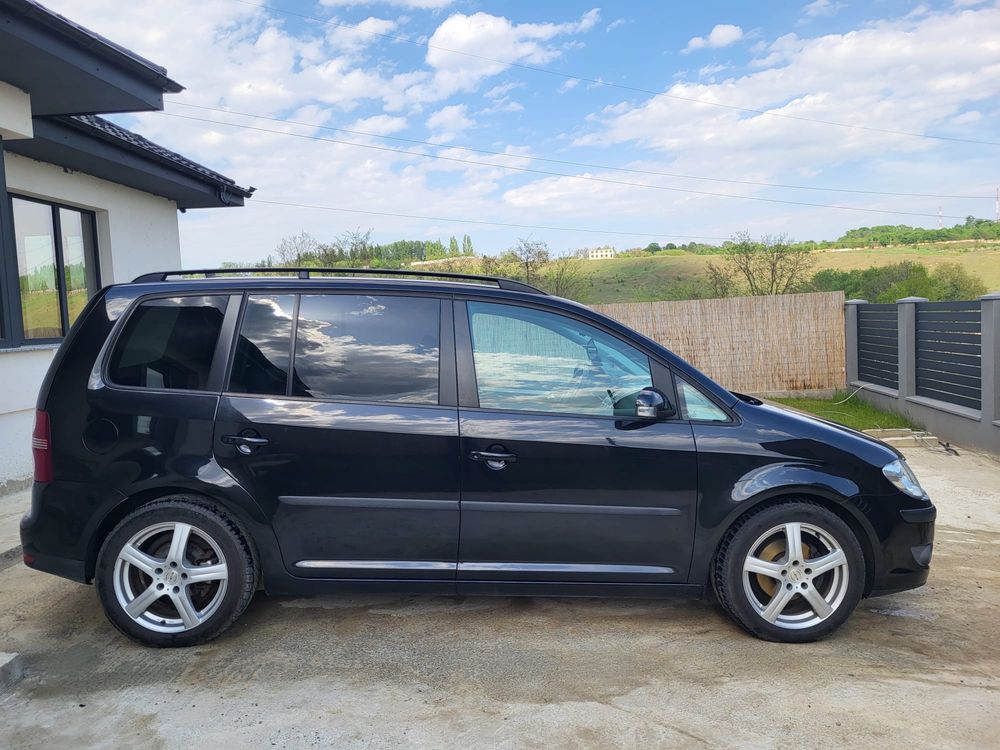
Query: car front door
x=340, y=419
x=560, y=482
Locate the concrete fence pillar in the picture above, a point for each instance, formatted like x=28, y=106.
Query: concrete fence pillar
x=851, y=338
x=991, y=356
x=906, y=310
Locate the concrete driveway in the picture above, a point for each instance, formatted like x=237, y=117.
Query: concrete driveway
x=917, y=669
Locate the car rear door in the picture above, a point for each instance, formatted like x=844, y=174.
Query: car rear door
x=340, y=419
x=558, y=482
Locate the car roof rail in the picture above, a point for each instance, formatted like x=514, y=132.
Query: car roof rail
x=306, y=273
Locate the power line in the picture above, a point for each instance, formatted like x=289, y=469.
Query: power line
x=548, y=173
x=490, y=223
x=609, y=84
x=585, y=165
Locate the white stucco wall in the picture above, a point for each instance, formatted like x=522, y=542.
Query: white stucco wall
x=136, y=233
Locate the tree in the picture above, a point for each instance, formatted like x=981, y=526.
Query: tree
x=770, y=266
x=531, y=255
x=563, y=276
x=721, y=280
x=357, y=246
x=295, y=248
x=952, y=282
x=467, y=245
x=452, y=247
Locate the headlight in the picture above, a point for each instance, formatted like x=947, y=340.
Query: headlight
x=904, y=480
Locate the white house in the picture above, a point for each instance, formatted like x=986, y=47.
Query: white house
x=83, y=202
x=601, y=253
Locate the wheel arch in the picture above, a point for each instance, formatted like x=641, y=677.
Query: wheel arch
x=248, y=526
x=843, y=508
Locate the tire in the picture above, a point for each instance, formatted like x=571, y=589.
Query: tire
x=175, y=596
x=789, y=600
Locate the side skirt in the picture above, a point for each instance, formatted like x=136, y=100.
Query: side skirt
x=293, y=586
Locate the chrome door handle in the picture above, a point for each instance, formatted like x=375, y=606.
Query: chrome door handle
x=245, y=444
x=494, y=460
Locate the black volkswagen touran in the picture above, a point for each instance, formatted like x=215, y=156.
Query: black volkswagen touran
x=199, y=438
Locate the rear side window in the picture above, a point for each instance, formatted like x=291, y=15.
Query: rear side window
x=367, y=348
x=263, y=348
x=169, y=343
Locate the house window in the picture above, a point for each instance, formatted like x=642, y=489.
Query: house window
x=56, y=269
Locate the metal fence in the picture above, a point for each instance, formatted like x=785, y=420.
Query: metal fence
x=942, y=372
x=878, y=344
x=949, y=352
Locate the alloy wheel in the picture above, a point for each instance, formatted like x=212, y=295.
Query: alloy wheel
x=170, y=577
x=796, y=575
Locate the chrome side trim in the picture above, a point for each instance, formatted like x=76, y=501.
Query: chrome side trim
x=389, y=503
x=502, y=567
x=609, y=510
x=376, y=564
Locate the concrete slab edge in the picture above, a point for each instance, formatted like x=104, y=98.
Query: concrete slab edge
x=11, y=670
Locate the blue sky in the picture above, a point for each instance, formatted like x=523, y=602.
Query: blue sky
x=923, y=68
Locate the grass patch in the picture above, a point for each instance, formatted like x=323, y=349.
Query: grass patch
x=853, y=413
x=665, y=277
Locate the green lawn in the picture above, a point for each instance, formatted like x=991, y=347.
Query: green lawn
x=853, y=413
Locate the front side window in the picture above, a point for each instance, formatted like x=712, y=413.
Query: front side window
x=367, y=348
x=529, y=360
x=169, y=343
x=696, y=405
x=56, y=264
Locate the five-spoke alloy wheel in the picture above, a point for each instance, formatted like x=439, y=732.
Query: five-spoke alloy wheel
x=175, y=572
x=793, y=571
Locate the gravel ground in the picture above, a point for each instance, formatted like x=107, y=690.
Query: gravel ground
x=917, y=669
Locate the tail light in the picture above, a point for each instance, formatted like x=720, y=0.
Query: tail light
x=41, y=447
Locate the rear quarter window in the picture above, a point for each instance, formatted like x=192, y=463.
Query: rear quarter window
x=169, y=343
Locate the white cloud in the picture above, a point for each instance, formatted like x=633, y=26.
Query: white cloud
x=414, y=4
x=448, y=122
x=722, y=35
x=493, y=41
x=615, y=24
x=819, y=8
x=365, y=33
x=909, y=74
x=707, y=71
x=501, y=91
x=379, y=124
x=568, y=85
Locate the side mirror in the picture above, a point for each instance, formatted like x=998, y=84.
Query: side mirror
x=652, y=404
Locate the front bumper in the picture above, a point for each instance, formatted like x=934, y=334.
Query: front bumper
x=906, y=552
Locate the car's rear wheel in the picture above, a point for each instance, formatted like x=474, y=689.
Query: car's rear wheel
x=790, y=572
x=175, y=572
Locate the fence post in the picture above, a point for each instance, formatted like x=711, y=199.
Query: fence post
x=906, y=312
x=851, y=338
x=990, y=317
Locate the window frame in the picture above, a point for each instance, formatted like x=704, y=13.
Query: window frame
x=447, y=376
x=11, y=319
x=222, y=354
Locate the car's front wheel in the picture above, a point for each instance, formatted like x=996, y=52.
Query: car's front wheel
x=175, y=572
x=790, y=572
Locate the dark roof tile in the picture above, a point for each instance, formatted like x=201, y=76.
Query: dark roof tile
x=122, y=137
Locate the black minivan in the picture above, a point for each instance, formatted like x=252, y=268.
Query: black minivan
x=200, y=435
